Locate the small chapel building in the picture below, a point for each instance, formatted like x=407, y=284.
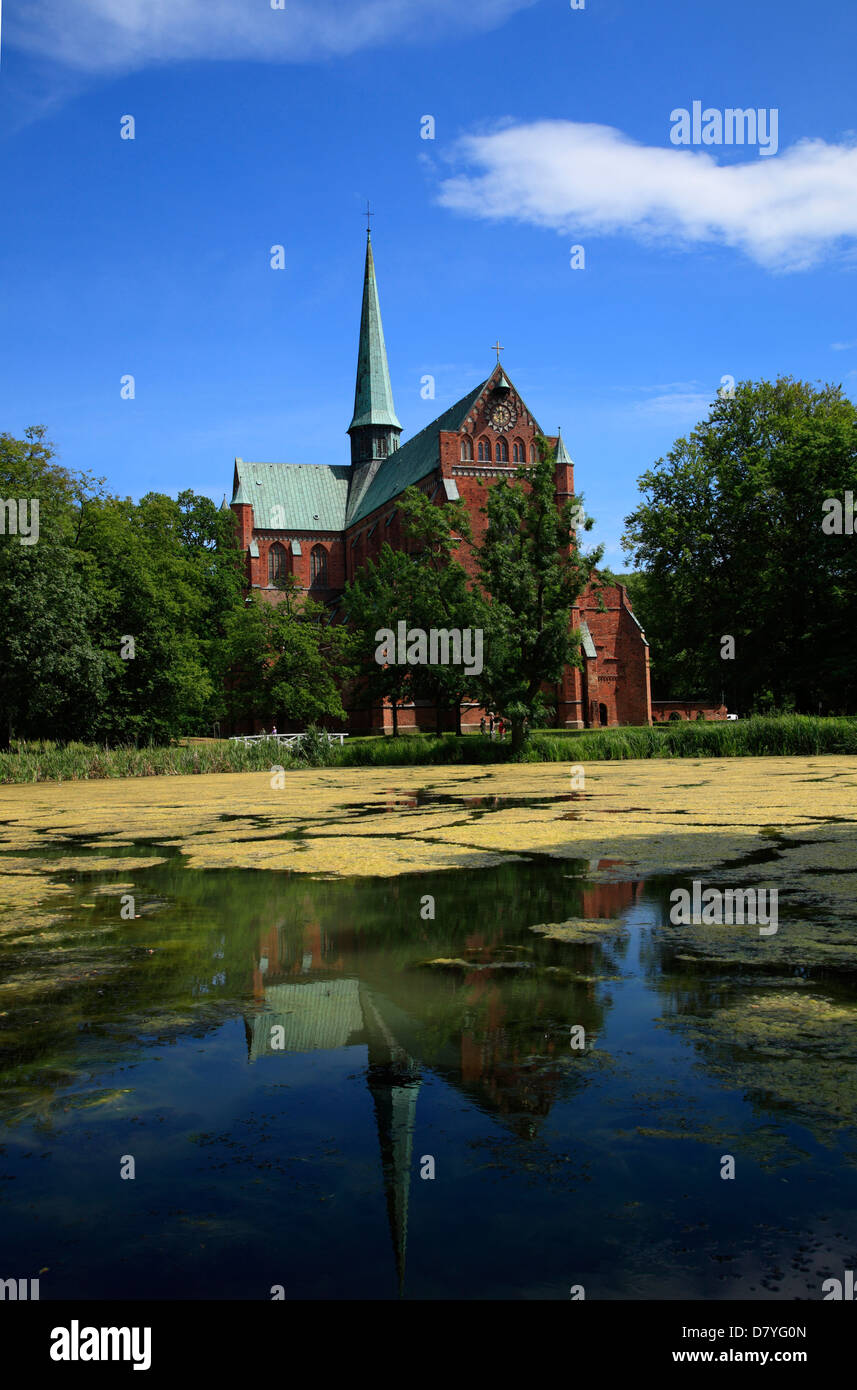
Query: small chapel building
x=321, y=523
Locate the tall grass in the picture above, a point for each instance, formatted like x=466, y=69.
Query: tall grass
x=797, y=735
x=44, y=761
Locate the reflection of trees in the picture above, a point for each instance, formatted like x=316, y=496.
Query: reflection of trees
x=334, y=963
x=501, y=1034
x=84, y=996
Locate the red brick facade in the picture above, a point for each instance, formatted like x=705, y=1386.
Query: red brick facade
x=322, y=524
x=613, y=685
x=686, y=709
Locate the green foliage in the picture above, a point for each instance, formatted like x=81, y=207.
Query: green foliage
x=424, y=586
x=441, y=597
x=315, y=749
x=46, y=761
x=52, y=672
x=285, y=659
x=533, y=571
x=380, y=597
x=730, y=537
x=165, y=573
x=788, y=735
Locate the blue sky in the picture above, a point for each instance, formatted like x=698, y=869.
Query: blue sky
x=257, y=127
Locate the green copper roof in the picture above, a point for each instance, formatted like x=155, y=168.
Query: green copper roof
x=413, y=460
x=310, y=496
x=373, y=397
x=314, y=1016
x=562, y=454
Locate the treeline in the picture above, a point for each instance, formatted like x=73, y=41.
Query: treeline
x=745, y=531
x=113, y=618
x=128, y=622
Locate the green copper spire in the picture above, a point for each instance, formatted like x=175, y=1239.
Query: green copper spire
x=562, y=454
x=374, y=428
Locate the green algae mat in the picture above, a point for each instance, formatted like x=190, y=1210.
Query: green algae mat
x=280, y=1001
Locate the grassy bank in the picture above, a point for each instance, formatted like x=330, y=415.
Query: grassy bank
x=798, y=735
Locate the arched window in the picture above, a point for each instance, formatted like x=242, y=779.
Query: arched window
x=276, y=563
x=318, y=566
x=484, y=451
x=532, y=453
x=501, y=452
x=518, y=452
x=466, y=450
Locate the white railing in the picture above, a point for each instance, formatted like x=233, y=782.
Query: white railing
x=290, y=740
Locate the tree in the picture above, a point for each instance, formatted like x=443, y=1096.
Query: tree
x=533, y=571
x=380, y=597
x=731, y=540
x=441, y=596
x=286, y=658
x=426, y=588
x=164, y=573
x=104, y=578
x=52, y=675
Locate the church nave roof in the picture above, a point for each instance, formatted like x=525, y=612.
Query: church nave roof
x=293, y=496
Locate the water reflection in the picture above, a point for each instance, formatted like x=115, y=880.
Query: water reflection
x=320, y=1011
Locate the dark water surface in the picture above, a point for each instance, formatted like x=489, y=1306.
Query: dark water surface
x=294, y=1157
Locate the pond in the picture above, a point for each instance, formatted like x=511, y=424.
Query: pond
x=373, y=1087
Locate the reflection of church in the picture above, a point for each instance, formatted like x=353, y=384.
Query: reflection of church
x=332, y=1013
x=512, y=1068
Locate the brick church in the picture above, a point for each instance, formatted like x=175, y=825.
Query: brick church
x=321, y=523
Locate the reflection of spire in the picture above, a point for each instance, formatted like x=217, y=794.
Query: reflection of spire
x=394, y=1081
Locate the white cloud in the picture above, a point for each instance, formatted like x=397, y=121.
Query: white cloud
x=676, y=405
x=843, y=347
x=117, y=35
x=785, y=212
x=671, y=387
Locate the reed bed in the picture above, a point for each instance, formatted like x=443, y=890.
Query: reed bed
x=798, y=735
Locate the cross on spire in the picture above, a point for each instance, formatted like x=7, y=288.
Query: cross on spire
x=369, y=216
x=498, y=349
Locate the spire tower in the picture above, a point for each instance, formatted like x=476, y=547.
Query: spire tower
x=562, y=454
x=374, y=428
